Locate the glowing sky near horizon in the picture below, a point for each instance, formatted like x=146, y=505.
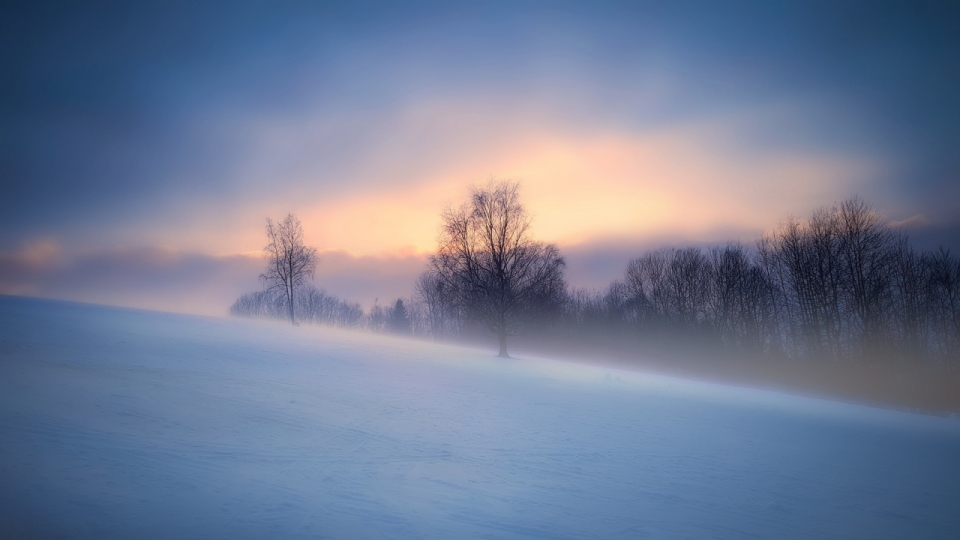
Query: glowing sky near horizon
x=175, y=129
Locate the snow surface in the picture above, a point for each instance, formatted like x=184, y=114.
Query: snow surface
x=119, y=423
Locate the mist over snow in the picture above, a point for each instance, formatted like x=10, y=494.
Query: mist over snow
x=169, y=279
x=119, y=423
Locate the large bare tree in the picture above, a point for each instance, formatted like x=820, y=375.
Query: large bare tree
x=487, y=256
x=289, y=261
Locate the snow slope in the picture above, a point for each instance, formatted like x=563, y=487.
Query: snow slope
x=118, y=423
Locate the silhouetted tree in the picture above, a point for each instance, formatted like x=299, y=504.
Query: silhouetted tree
x=944, y=294
x=439, y=302
x=486, y=256
x=312, y=306
x=910, y=275
x=741, y=299
x=398, y=320
x=377, y=318
x=804, y=260
x=289, y=261
x=868, y=252
x=841, y=285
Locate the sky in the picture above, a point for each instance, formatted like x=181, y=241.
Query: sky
x=144, y=144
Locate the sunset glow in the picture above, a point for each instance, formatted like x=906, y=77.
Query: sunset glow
x=627, y=127
x=480, y=269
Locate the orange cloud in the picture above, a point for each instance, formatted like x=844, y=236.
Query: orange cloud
x=586, y=187
x=582, y=182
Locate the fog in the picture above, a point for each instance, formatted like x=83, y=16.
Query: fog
x=121, y=423
x=479, y=269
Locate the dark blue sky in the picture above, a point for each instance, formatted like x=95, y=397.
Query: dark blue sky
x=180, y=126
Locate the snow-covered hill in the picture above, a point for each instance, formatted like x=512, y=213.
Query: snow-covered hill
x=118, y=423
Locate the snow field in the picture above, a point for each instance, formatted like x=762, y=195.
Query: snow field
x=119, y=423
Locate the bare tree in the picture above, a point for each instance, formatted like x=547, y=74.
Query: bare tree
x=289, y=261
x=311, y=305
x=645, y=283
x=867, y=249
x=729, y=302
x=804, y=259
x=910, y=275
x=944, y=291
x=487, y=256
x=439, y=303
x=689, y=281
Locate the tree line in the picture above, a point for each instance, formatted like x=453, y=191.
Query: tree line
x=315, y=306
x=840, y=285
x=309, y=305
x=286, y=295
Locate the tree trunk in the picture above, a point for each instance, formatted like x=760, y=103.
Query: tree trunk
x=503, y=345
x=290, y=305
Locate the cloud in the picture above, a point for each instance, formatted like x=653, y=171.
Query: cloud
x=927, y=234
x=933, y=236
x=597, y=263
x=583, y=180
x=629, y=126
x=170, y=280
x=603, y=193
x=146, y=277
x=918, y=221
x=366, y=279
x=372, y=119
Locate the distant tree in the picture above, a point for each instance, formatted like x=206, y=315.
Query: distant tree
x=311, y=305
x=377, y=318
x=944, y=291
x=289, y=261
x=317, y=306
x=912, y=304
x=398, y=320
x=487, y=257
x=805, y=259
x=438, y=302
x=868, y=255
